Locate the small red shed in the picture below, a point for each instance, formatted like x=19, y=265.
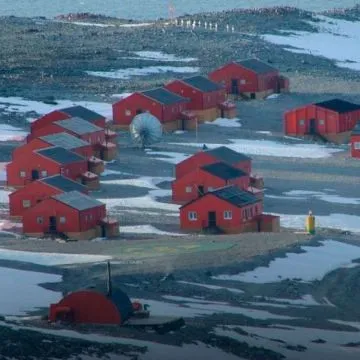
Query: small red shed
x=207, y=98
x=205, y=157
x=250, y=78
x=162, y=103
x=67, y=113
x=228, y=210
x=36, y=191
x=72, y=214
x=332, y=119
x=355, y=141
x=43, y=163
x=207, y=178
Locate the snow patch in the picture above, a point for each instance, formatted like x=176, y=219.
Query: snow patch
x=121, y=95
x=160, y=56
x=4, y=196
x=145, y=229
x=224, y=122
x=11, y=133
x=144, y=182
x=167, y=156
x=80, y=23
x=212, y=287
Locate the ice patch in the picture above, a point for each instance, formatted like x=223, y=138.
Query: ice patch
x=128, y=73
x=160, y=56
x=144, y=182
x=224, y=122
x=21, y=293
x=264, y=132
x=11, y=133
x=272, y=96
x=145, y=229
x=306, y=300
x=80, y=23
x=311, y=265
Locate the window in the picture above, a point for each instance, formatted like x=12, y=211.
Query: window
x=210, y=188
x=22, y=174
x=61, y=171
x=357, y=145
x=242, y=81
x=192, y=215
x=127, y=113
x=40, y=220
x=182, y=91
x=62, y=220
x=188, y=189
x=321, y=122
x=301, y=122
x=44, y=173
x=228, y=215
x=90, y=217
x=26, y=203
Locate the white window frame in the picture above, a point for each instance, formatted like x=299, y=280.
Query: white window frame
x=127, y=112
x=192, y=215
x=44, y=173
x=227, y=215
x=357, y=145
x=322, y=122
x=39, y=220
x=26, y=204
x=242, y=81
x=188, y=189
x=22, y=173
x=302, y=122
x=62, y=220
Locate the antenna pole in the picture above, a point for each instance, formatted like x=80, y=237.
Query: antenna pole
x=109, y=284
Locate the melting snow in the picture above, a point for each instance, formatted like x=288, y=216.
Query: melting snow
x=224, y=122
x=145, y=229
x=311, y=265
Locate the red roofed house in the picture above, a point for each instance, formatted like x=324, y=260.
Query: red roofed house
x=71, y=214
x=48, y=162
x=207, y=178
x=36, y=191
x=81, y=129
x=166, y=106
x=66, y=141
x=333, y=119
x=355, y=141
x=227, y=210
x=207, y=98
x=250, y=78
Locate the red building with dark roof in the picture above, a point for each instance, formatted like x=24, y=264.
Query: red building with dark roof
x=162, y=103
x=207, y=98
x=48, y=162
x=39, y=190
x=67, y=113
x=355, y=141
x=207, y=178
x=333, y=119
x=250, y=78
x=226, y=210
x=73, y=215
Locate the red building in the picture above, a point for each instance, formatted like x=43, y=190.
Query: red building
x=250, y=78
x=205, y=179
x=81, y=129
x=228, y=210
x=205, y=157
x=36, y=191
x=207, y=98
x=166, y=106
x=333, y=119
x=67, y=113
x=355, y=141
x=47, y=162
x=73, y=215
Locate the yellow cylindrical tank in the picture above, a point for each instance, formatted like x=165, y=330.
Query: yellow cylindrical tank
x=310, y=223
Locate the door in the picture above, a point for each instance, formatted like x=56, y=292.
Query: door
x=252, y=96
x=103, y=231
x=312, y=126
x=201, y=190
x=212, y=219
x=139, y=111
x=34, y=174
x=222, y=113
x=234, y=86
x=52, y=224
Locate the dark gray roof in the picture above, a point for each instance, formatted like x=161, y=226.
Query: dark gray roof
x=227, y=155
x=256, y=65
x=338, y=105
x=78, y=126
x=235, y=196
x=202, y=83
x=77, y=200
x=163, y=96
x=60, y=155
x=223, y=171
x=64, y=140
x=83, y=113
x=356, y=129
x=64, y=184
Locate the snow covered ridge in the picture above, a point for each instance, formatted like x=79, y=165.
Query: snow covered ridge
x=336, y=40
x=313, y=264
x=128, y=73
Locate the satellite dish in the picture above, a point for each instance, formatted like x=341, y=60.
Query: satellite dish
x=145, y=130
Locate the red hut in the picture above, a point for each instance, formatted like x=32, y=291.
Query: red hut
x=250, y=78
x=36, y=191
x=162, y=103
x=207, y=98
x=207, y=178
x=355, y=141
x=205, y=157
x=47, y=162
x=71, y=214
x=228, y=210
x=332, y=119
x=67, y=113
